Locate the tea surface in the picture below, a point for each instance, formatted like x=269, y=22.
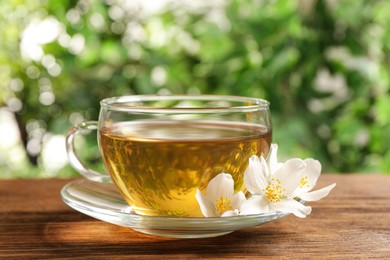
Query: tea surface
x=158, y=166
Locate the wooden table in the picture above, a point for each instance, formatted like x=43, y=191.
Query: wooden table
x=353, y=222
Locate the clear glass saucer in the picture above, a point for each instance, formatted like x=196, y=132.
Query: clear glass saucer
x=102, y=201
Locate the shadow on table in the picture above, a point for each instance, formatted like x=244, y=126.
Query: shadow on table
x=93, y=237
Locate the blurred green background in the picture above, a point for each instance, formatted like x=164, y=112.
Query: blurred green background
x=323, y=65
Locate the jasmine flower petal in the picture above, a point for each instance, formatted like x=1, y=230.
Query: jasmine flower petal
x=206, y=206
x=292, y=206
x=255, y=175
x=312, y=171
x=273, y=163
x=290, y=174
x=318, y=194
x=220, y=185
x=237, y=200
x=230, y=213
x=254, y=205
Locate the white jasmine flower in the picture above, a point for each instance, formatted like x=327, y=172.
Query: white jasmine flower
x=309, y=180
x=219, y=199
x=275, y=186
x=272, y=187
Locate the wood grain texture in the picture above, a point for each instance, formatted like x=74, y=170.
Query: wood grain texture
x=353, y=222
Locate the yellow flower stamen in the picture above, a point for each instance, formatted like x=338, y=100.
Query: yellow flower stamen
x=274, y=192
x=304, y=182
x=223, y=205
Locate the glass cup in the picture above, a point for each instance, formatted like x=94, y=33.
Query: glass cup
x=158, y=150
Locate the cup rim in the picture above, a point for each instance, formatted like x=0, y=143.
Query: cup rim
x=124, y=103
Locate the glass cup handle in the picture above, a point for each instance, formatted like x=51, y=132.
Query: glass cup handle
x=74, y=159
